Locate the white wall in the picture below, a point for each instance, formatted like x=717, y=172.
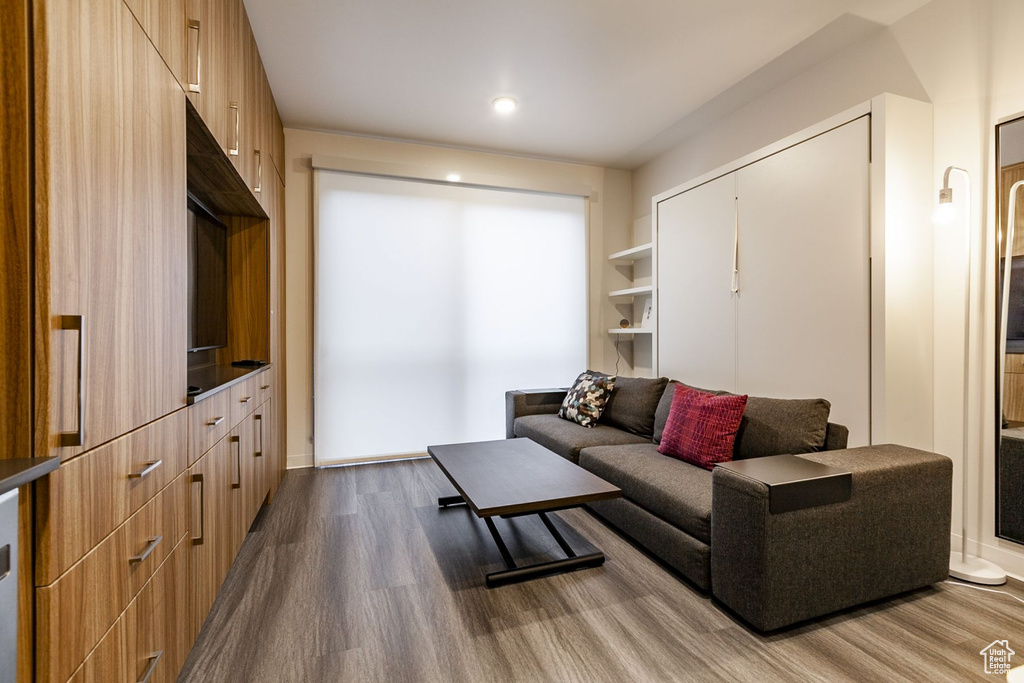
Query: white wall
x=610, y=228
x=961, y=55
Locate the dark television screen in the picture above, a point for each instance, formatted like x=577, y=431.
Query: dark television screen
x=207, y=280
x=1015, y=309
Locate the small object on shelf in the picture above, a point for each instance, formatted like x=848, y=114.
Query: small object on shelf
x=194, y=390
x=645, y=320
x=624, y=323
x=248, y=363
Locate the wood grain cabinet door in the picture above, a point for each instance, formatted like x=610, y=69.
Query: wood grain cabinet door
x=206, y=64
x=209, y=541
x=260, y=457
x=110, y=187
x=242, y=482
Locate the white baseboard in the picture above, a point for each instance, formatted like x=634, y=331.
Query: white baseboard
x=1010, y=560
x=300, y=460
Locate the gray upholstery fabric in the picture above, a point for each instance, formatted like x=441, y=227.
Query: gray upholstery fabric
x=568, y=438
x=679, y=550
x=891, y=536
x=836, y=437
x=674, y=490
x=774, y=426
x=530, y=402
x=770, y=426
x=632, y=404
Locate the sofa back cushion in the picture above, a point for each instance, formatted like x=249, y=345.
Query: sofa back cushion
x=770, y=426
x=701, y=428
x=632, y=404
x=774, y=426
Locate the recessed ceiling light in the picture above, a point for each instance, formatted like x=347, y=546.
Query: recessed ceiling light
x=505, y=105
x=453, y=177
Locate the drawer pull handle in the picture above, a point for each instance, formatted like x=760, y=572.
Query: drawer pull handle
x=238, y=461
x=259, y=171
x=193, y=83
x=214, y=422
x=150, y=546
x=259, y=430
x=245, y=400
x=77, y=437
x=153, y=660
x=148, y=469
x=265, y=386
x=198, y=479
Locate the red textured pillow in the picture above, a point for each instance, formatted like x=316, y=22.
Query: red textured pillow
x=701, y=428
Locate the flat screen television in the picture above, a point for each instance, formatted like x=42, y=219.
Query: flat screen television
x=1015, y=309
x=207, y=279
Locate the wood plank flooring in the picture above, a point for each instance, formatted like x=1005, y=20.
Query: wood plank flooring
x=353, y=574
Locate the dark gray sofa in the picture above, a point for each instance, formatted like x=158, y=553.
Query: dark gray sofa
x=715, y=527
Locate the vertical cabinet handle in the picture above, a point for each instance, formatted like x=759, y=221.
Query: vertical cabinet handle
x=237, y=440
x=234, y=107
x=259, y=171
x=198, y=479
x=735, y=287
x=77, y=437
x=153, y=660
x=259, y=430
x=193, y=74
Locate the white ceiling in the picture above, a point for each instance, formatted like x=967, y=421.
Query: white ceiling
x=598, y=81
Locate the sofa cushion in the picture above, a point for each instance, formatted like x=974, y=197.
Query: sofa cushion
x=632, y=404
x=701, y=427
x=587, y=398
x=774, y=426
x=567, y=438
x=674, y=490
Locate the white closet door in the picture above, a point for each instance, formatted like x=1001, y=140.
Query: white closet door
x=804, y=306
x=696, y=311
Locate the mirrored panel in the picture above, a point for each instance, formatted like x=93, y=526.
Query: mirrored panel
x=1010, y=331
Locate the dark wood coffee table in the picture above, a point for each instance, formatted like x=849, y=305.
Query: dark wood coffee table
x=516, y=477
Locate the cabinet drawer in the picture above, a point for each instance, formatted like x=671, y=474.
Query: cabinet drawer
x=264, y=383
x=79, y=607
x=243, y=399
x=150, y=634
x=85, y=499
x=209, y=421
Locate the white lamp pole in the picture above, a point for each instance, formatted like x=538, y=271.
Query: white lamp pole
x=961, y=565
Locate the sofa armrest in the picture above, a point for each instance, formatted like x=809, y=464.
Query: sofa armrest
x=836, y=436
x=891, y=536
x=520, y=402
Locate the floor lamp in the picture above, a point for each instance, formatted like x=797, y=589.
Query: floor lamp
x=961, y=565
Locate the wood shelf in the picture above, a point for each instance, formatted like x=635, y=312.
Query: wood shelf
x=628, y=256
x=631, y=292
x=631, y=330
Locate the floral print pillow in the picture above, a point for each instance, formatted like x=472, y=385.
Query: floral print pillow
x=587, y=398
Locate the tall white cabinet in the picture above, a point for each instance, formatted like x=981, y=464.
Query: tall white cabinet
x=771, y=279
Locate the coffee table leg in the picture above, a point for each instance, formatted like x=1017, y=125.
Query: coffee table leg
x=448, y=501
x=515, y=574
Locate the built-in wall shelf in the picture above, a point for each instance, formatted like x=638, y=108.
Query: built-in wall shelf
x=630, y=330
x=646, y=290
x=628, y=256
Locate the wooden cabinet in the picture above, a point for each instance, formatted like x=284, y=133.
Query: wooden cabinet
x=206, y=64
x=85, y=499
x=77, y=609
x=242, y=484
x=210, y=516
x=150, y=640
x=110, y=178
x=164, y=23
x=208, y=422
